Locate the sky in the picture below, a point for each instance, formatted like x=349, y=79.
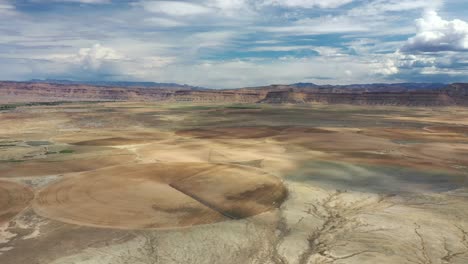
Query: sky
x=235, y=43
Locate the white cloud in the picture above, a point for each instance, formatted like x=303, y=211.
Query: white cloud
x=281, y=48
x=386, y=67
x=433, y=70
x=4, y=4
x=252, y=72
x=232, y=9
x=175, y=8
x=163, y=22
x=210, y=39
x=6, y=8
x=228, y=5
x=321, y=50
x=93, y=57
x=436, y=34
x=144, y=42
x=414, y=61
x=307, y=3
x=391, y=64
x=378, y=7
x=329, y=51
x=157, y=62
x=79, y=1
x=88, y=58
x=91, y=1
x=321, y=25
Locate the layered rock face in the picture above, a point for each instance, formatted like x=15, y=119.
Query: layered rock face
x=15, y=91
x=29, y=92
x=286, y=97
x=378, y=94
x=421, y=98
x=214, y=96
x=458, y=92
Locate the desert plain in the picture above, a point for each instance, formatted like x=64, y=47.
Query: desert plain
x=145, y=183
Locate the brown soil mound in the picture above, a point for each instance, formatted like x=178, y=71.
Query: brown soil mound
x=440, y=152
x=343, y=141
x=231, y=132
x=160, y=195
x=307, y=130
x=50, y=167
x=448, y=129
x=13, y=199
x=114, y=141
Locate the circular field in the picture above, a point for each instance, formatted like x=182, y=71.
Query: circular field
x=159, y=195
x=13, y=199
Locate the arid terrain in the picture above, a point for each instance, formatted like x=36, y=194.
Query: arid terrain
x=165, y=182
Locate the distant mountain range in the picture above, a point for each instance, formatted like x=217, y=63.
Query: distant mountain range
x=367, y=87
x=118, y=84
x=404, y=94
x=378, y=86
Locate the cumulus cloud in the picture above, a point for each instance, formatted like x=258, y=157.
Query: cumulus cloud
x=93, y=57
x=424, y=67
x=397, y=62
x=410, y=61
x=307, y=3
x=436, y=34
x=386, y=67
x=89, y=58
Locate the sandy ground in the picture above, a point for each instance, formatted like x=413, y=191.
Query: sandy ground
x=161, y=195
x=129, y=183
x=13, y=199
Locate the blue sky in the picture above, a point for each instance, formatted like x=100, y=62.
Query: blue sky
x=235, y=43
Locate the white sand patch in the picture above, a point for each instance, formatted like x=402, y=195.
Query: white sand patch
x=5, y=235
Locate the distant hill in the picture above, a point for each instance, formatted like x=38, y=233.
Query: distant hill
x=376, y=86
x=120, y=84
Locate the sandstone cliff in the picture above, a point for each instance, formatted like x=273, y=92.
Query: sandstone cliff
x=374, y=94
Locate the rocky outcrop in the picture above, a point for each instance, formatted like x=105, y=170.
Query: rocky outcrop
x=285, y=97
x=214, y=96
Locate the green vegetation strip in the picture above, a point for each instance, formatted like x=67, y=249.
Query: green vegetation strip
x=15, y=105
